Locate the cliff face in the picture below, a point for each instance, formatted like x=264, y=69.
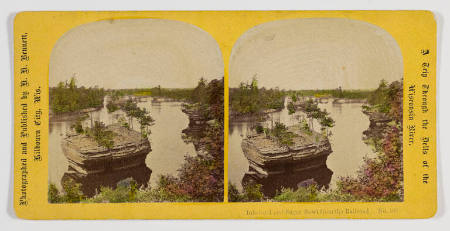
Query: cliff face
x=196, y=128
x=267, y=157
x=87, y=157
x=197, y=121
x=378, y=125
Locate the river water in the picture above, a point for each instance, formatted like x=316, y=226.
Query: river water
x=168, y=148
x=346, y=141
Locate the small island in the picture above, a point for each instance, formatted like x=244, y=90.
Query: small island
x=127, y=149
x=305, y=151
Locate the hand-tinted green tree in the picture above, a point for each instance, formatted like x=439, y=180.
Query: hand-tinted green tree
x=68, y=97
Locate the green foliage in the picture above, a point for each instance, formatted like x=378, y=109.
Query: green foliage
x=380, y=178
x=141, y=114
x=78, y=126
x=181, y=94
x=251, y=193
x=125, y=191
x=379, y=96
x=259, y=129
x=314, y=112
x=302, y=194
x=72, y=192
x=215, y=99
x=122, y=121
x=248, y=99
x=326, y=121
x=201, y=177
x=305, y=127
x=291, y=108
x=112, y=107
x=100, y=134
x=53, y=194
x=200, y=92
x=312, y=193
x=281, y=134
x=67, y=97
x=233, y=193
x=119, y=195
x=387, y=99
x=294, y=97
x=334, y=93
x=142, y=93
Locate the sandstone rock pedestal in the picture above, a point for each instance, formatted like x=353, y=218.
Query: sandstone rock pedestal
x=267, y=157
x=86, y=156
x=276, y=166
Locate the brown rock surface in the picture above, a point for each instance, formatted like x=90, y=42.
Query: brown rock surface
x=86, y=156
x=267, y=157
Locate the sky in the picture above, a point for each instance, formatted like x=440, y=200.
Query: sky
x=316, y=53
x=136, y=53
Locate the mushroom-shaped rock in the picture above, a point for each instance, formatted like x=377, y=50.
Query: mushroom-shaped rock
x=86, y=156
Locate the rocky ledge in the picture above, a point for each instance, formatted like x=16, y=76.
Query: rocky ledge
x=197, y=121
x=267, y=157
x=378, y=124
x=196, y=128
x=86, y=156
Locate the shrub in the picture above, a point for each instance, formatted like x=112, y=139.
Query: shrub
x=259, y=129
x=281, y=134
x=72, y=192
x=302, y=194
x=233, y=193
x=100, y=134
x=68, y=97
x=380, y=178
x=111, y=107
x=252, y=192
x=53, y=194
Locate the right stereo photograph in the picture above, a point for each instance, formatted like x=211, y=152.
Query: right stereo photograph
x=315, y=113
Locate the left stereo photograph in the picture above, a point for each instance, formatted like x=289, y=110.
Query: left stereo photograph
x=136, y=114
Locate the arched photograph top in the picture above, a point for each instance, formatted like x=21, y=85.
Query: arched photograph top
x=316, y=112
x=136, y=113
x=318, y=52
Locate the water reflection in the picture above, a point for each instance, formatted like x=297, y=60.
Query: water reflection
x=168, y=148
x=346, y=141
x=272, y=184
x=92, y=183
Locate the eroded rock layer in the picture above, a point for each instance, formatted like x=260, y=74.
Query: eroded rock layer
x=267, y=157
x=86, y=156
x=378, y=125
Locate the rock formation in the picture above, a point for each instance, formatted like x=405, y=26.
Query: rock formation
x=378, y=125
x=267, y=157
x=196, y=128
x=197, y=121
x=86, y=156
